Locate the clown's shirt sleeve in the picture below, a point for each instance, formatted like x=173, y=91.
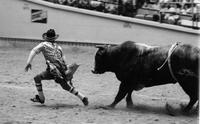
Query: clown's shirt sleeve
x=34, y=51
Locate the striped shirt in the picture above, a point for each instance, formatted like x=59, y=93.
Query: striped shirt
x=51, y=51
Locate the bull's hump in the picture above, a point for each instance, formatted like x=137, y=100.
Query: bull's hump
x=145, y=45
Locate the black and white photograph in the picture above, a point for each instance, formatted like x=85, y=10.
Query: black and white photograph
x=99, y=61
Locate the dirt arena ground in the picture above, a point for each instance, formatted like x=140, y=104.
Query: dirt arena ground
x=61, y=107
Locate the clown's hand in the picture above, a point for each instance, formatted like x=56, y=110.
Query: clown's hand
x=71, y=70
x=28, y=66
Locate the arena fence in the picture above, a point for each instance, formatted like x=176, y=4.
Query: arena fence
x=70, y=43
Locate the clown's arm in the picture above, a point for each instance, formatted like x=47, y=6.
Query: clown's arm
x=32, y=54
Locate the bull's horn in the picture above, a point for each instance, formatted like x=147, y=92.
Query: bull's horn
x=93, y=71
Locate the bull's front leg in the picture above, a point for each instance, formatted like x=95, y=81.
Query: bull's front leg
x=123, y=90
x=129, y=102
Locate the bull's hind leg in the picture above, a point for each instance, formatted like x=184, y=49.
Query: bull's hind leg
x=123, y=90
x=190, y=105
x=190, y=86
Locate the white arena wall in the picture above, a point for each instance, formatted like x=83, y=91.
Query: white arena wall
x=79, y=25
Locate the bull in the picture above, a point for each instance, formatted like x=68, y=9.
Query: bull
x=138, y=65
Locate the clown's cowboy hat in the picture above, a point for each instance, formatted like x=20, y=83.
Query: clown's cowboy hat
x=50, y=35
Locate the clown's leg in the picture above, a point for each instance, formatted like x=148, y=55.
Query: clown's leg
x=66, y=86
x=40, y=97
x=38, y=83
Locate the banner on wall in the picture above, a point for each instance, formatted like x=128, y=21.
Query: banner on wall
x=38, y=16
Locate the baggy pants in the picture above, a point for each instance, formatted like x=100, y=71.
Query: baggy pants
x=47, y=75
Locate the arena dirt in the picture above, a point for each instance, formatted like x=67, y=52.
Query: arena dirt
x=61, y=107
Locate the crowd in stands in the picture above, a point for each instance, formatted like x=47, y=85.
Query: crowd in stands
x=101, y=6
x=165, y=11
x=172, y=13
x=119, y=7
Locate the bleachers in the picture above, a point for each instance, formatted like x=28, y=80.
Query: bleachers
x=148, y=12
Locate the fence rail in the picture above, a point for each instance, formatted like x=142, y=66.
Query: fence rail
x=70, y=43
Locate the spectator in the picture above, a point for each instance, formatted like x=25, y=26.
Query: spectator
x=172, y=9
x=111, y=8
x=84, y=4
x=128, y=8
x=184, y=10
x=171, y=14
x=62, y=2
x=72, y=3
x=196, y=14
x=97, y=5
x=156, y=6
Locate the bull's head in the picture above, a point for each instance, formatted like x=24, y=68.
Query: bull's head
x=101, y=59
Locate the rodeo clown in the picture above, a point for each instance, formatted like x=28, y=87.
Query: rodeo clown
x=57, y=69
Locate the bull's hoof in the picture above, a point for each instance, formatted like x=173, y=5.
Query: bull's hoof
x=184, y=109
x=129, y=106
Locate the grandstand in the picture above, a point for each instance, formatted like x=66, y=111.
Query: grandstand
x=28, y=19
x=179, y=12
